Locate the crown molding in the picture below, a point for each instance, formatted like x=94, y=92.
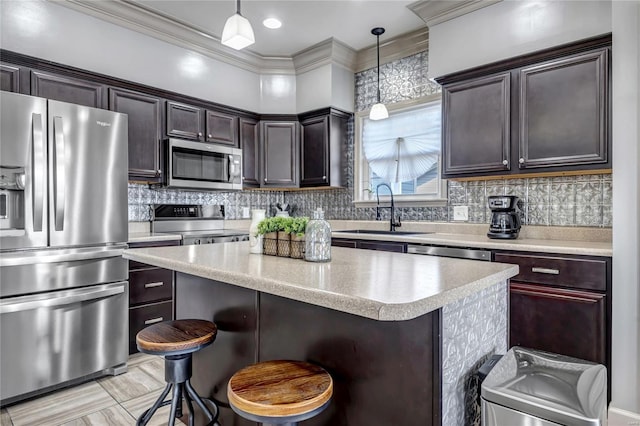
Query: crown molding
x=329, y=51
x=157, y=25
x=434, y=12
x=393, y=49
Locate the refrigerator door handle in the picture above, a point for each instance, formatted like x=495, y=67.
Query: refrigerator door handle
x=37, y=258
x=59, y=180
x=38, y=165
x=27, y=303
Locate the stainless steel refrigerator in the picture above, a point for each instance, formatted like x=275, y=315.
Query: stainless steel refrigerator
x=63, y=227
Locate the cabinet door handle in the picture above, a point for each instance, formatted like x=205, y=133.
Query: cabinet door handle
x=152, y=285
x=545, y=270
x=505, y=163
x=521, y=161
x=324, y=178
x=158, y=172
x=153, y=320
x=199, y=134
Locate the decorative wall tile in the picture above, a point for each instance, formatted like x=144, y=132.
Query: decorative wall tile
x=562, y=193
x=559, y=214
x=589, y=215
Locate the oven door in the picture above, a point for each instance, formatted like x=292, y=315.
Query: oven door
x=197, y=165
x=55, y=337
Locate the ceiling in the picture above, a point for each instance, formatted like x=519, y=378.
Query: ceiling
x=304, y=22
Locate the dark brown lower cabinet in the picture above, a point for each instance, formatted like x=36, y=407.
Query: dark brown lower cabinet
x=145, y=315
x=568, y=322
x=150, y=294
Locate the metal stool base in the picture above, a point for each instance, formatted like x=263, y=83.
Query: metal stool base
x=280, y=421
x=177, y=374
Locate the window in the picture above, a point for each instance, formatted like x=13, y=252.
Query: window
x=402, y=151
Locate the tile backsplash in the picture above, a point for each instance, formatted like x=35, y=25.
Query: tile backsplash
x=564, y=201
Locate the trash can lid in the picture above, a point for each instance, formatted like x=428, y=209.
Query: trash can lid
x=553, y=387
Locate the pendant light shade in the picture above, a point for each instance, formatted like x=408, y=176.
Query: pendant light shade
x=237, y=32
x=378, y=111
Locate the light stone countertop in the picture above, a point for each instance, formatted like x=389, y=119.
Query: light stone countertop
x=588, y=241
x=589, y=248
x=148, y=237
x=378, y=285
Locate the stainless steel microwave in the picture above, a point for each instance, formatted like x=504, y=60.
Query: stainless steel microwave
x=202, y=166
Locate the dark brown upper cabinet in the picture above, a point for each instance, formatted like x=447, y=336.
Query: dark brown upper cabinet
x=67, y=89
x=145, y=132
x=323, y=135
x=280, y=154
x=185, y=121
x=198, y=124
x=222, y=128
x=563, y=112
x=476, y=125
x=250, y=144
x=548, y=111
x=9, y=78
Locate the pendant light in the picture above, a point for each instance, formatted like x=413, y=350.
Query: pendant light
x=378, y=111
x=237, y=32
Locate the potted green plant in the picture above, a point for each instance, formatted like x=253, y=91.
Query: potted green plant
x=296, y=228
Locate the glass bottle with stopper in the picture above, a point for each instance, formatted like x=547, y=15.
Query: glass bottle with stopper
x=318, y=239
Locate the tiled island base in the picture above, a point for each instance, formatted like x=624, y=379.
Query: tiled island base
x=385, y=372
x=473, y=329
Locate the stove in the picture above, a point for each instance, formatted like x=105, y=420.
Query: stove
x=197, y=224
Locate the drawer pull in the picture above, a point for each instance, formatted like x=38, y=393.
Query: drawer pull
x=545, y=271
x=151, y=285
x=153, y=320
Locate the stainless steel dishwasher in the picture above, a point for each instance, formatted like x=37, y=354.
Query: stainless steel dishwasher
x=458, y=252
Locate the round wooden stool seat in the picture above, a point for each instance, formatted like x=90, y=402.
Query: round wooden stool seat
x=280, y=389
x=176, y=337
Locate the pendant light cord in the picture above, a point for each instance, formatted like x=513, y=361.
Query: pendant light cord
x=378, y=50
x=238, y=7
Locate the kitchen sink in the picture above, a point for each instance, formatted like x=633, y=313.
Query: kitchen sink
x=379, y=232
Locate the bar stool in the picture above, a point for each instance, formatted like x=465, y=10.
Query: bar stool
x=176, y=341
x=280, y=392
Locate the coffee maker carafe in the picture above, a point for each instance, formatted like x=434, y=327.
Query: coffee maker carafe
x=505, y=218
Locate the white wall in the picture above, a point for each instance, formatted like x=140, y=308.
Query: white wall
x=53, y=32
x=314, y=89
x=626, y=200
x=342, y=88
x=327, y=85
x=277, y=94
x=511, y=28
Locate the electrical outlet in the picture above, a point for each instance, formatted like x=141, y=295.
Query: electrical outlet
x=461, y=213
x=245, y=212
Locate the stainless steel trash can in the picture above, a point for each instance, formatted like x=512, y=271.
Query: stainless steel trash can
x=535, y=388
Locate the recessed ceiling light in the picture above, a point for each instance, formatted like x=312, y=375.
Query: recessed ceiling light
x=272, y=23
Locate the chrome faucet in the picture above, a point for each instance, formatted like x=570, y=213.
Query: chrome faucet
x=392, y=221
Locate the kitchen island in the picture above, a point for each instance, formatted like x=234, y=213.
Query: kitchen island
x=400, y=334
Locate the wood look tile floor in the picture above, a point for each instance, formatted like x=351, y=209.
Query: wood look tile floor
x=107, y=401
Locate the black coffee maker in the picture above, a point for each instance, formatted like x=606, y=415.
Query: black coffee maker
x=505, y=217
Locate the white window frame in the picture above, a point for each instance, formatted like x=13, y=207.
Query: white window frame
x=362, y=196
